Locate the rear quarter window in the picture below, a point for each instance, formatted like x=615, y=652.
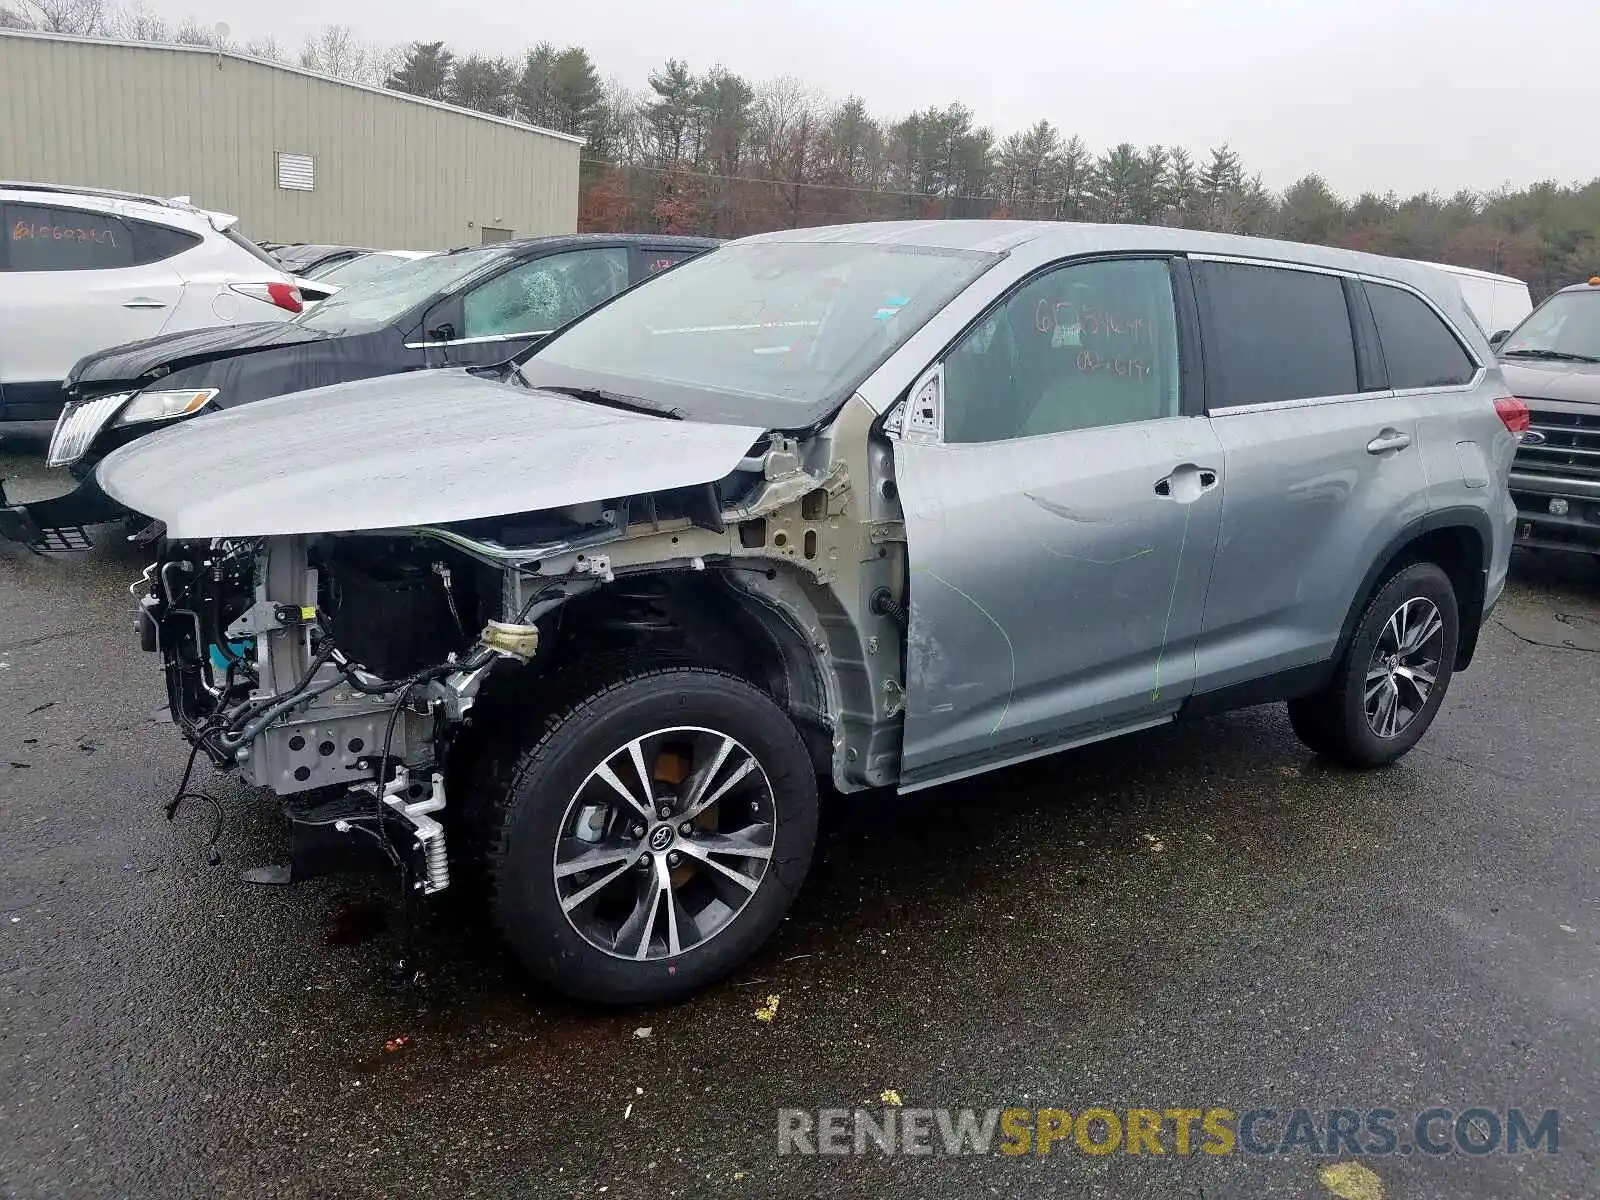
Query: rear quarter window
x=1273, y=334
x=656, y=261
x=157, y=243
x=1418, y=348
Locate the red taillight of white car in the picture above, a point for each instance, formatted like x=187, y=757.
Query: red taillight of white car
x=281, y=295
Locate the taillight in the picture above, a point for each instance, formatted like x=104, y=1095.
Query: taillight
x=1513, y=413
x=286, y=295
x=283, y=295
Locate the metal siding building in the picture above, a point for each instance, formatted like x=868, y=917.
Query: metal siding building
x=387, y=170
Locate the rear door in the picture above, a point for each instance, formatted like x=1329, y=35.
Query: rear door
x=1062, y=498
x=75, y=284
x=1324, y=463
x=504, y=314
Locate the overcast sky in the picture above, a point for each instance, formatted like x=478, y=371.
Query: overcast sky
x=1412, y=95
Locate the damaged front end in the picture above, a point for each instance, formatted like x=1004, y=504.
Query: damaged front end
x=334, y=672
x=346, y=672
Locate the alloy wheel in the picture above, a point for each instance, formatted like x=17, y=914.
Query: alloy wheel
x=664, y=843
x=1404, y=666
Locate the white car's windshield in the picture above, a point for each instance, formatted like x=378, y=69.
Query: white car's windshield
x=1565, y=327
x=787, y=325
x=364, y=307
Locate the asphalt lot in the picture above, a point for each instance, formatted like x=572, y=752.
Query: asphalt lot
x=1201, y=916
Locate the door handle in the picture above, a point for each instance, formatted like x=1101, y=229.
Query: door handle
x=1186, y=483
x=144, y=302
x=1389, y=439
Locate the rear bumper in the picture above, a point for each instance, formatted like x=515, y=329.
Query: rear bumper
x=1575, y=523
x=58, y=524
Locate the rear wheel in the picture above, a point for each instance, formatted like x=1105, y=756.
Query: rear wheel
x=1393, y=677
x=652, y=838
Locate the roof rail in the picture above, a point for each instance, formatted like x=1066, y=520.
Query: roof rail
x=69, y=189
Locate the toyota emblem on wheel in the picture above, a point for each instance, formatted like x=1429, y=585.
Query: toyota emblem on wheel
x=661, y=837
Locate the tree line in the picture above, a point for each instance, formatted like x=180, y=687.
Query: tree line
x=712, y=152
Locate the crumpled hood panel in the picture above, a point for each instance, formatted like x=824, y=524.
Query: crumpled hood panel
x=420, y=449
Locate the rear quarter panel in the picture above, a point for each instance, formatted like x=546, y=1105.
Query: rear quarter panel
x=1467, y=452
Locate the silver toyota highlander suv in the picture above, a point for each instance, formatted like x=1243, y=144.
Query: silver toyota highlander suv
x=882, y=505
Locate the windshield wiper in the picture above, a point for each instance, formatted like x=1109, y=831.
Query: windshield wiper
x=636, y=404
x=1550, y=355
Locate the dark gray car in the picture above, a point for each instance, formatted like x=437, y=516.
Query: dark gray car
x=1552, y=362
x=889, y=505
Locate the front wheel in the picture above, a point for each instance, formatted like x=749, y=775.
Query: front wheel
x=1388, y=686
x=653, y=837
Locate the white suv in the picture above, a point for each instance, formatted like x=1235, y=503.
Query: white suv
x=82, y=269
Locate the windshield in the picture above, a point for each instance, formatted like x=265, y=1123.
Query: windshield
x=377, y=303
x=359, y=270
x=772, y=333
x=1566, y=326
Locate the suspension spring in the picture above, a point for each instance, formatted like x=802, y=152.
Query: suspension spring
x=437, y=865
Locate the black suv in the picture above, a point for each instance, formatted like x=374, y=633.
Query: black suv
x=471, y=307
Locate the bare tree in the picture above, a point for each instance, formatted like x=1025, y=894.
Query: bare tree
x=623, y=133
x=334, y=50
x=266, y=47
x=786, y=121
x=382, y=62
x=137, y=24
x=193, y=33
x=64, y=16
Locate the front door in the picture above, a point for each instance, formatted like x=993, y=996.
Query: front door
x=504, y=314
x=1062, y=509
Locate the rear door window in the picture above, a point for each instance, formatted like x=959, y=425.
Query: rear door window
x=1418, y=348
x=1273, y=334
x=43, y=238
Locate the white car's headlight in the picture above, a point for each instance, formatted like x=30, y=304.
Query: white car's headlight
x=77, y=426
x=164, y=406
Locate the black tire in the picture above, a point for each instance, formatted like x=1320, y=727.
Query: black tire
x=533, y=791
x=1334, y=722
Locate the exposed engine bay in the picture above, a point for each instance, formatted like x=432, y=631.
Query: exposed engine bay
x=316, y=664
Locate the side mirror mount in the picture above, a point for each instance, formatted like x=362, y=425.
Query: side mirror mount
x=1496, y=340
x=920, y=416
x=442, y=332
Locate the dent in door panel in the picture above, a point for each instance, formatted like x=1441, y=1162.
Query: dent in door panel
x=1047, y=577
